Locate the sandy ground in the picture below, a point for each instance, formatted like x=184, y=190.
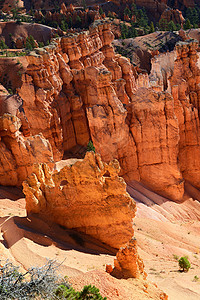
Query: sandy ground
x=165, y=230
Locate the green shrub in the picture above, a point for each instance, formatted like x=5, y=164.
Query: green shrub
x=87, y=293
x=196, y=278
x=184, y=263
x=30, y=43
x=3, y=45
x=90, y=146
x=40, y=44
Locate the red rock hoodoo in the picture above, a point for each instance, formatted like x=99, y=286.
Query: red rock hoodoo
x=87, y=196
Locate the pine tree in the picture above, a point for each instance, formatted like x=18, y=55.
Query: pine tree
x=171, y=26
x=187, y=25
x=152, y=28
x=163, y=24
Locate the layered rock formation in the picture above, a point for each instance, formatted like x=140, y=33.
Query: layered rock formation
x=164, y=9
x=128, y=264
x=154, y=127
x=69, y=90
x=77, y=89
x=18, y=153
x=174, y=15
x=186, y=92
x=73, y=17
x=87, y=196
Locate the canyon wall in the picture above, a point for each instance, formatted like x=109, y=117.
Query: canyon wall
x=19, y=153
x=77, y=89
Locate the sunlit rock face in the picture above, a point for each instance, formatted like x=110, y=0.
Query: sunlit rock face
x=77, y=89
x=87, y=196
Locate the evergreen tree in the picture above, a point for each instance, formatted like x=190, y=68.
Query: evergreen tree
x=133, y=9
x=78, y=22
x=101, y=10
x=124, y=31
x=133, y=32
x=152, y=28
x=163, y=24
x=187, y=25
x=63, y=25
x=171, y=26
x=193, y=14
x=90, y=146
x=3, y=45
x=127, y=12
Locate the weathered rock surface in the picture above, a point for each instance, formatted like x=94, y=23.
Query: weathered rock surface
x=88, y=196
x=155, y=130
x=18, y=153
x=186, y=92
x=128, y=264
x=77, y=89
x=69, y=90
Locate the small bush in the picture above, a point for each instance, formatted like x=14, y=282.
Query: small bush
x=175, y=257
x=196, y=278
x=184, y=263
x=90, y=146
x=87, y=293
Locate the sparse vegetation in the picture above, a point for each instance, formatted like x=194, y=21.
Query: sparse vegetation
x=13, y=53
x=3, y=45
x=176, y=257
x=30, y=43
x=36, y=282
x=88, y=292
x=196, y=278
x=184, y=263
x=40, y=283
x=90, y=146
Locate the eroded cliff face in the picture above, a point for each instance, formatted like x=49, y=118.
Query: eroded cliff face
x=87, y=196
x=186, y=93
x=155, y=129
x=18, y=153
x=77, y=89
x=74, y=91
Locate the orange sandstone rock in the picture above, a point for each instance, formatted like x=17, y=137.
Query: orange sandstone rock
x=18, y=154
x=128, y=264
x=88, y=196
x=155, y=130
x=185, y=89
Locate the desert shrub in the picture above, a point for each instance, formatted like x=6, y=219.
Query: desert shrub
x=196, y=278
x=175, y=257
x=36, y=283
x=40, y=283
x=87, y=293
x=90, y=146
x=40, y=44
x=184, y=263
